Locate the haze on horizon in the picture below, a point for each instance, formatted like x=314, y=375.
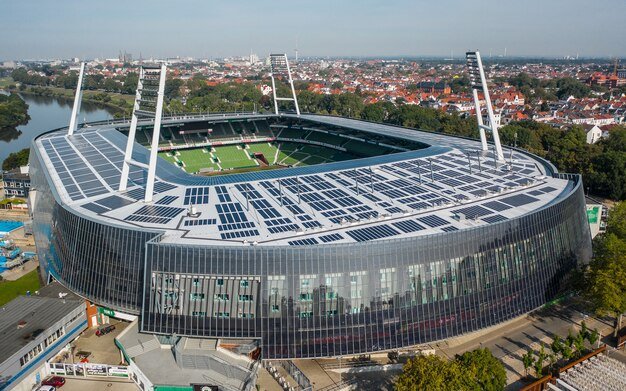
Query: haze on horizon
x=38, y=29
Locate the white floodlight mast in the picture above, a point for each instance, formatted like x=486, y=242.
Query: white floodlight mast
x=156, y=135
x=474, y=61
x=293, y=89
x=131, y=135
x=479, y=118
x=77, y=101
x=276, y=63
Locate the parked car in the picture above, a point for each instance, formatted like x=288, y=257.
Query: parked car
x=46, y=388
x=54, y=381
x=105, y=330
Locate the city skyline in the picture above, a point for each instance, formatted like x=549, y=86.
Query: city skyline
x=366, y=29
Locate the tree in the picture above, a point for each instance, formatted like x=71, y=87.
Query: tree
x=475, y=370
x=430, y=373
x=593, y=337
x=557, y=345
x=569, y=86
x=528, y=360
x=605, y=279
x=541, y=358
x=13, y=111
x=16, y=159
x=483, y=370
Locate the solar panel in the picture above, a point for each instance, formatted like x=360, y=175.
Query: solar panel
x=497, y=206
x=472, y=212
x=239, y=234
x=160, y=187
x=303, y=242
x=494, y=219
x=433, y=221
x=95, y=208
x=311, y=224
x=114, y=202
x=155, y=214
x=283, y=228
x=166, y=200
x=196, y=196
x=135, y=194
x=371, y=233
x=408, y=226
x=519, y=200
x=330, y=238
x=191, y=223
x=449, y=229
x=547, y=189
x=233, y=226
x=230, y=213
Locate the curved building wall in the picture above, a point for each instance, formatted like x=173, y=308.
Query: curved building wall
x=100, y=262
x=348, y=299
x=315, y=301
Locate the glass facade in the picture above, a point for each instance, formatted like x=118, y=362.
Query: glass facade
x=317, y=301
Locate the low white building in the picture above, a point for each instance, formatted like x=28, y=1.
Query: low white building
x=34, y=330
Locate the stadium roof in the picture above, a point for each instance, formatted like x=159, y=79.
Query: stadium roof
x=428, y=191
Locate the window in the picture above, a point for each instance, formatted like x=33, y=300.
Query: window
x=196, y=296
x=305, y=297
x=245, y=298
x=221, y=296
x=246, y=315
x=222, y=314
x=306, y=314
x=275, y=308
x=196, y=282
x=244, y=283
x=331, y=295
x=198, y=313
x=220, y=282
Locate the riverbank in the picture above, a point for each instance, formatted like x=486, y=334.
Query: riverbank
x=121, y=103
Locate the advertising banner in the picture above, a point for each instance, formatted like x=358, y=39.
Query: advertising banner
x=96, y=369
x=118, y=371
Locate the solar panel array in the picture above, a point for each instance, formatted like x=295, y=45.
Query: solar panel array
x=155, y=214
x=89, y=166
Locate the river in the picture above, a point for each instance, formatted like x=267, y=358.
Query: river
x=46, y=113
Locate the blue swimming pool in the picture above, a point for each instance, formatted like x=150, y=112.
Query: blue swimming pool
x=7, y=226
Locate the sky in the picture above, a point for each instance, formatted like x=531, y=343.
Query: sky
x=40, y=29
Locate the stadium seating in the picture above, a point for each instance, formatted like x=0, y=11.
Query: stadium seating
x=365, y=149
x=293, y=133
x=327, y=138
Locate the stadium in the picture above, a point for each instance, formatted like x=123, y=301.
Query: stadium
x=310, y=235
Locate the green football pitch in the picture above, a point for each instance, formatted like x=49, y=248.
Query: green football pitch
x=235, y=157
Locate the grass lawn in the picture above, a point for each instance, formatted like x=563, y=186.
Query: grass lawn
x=9, y=290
